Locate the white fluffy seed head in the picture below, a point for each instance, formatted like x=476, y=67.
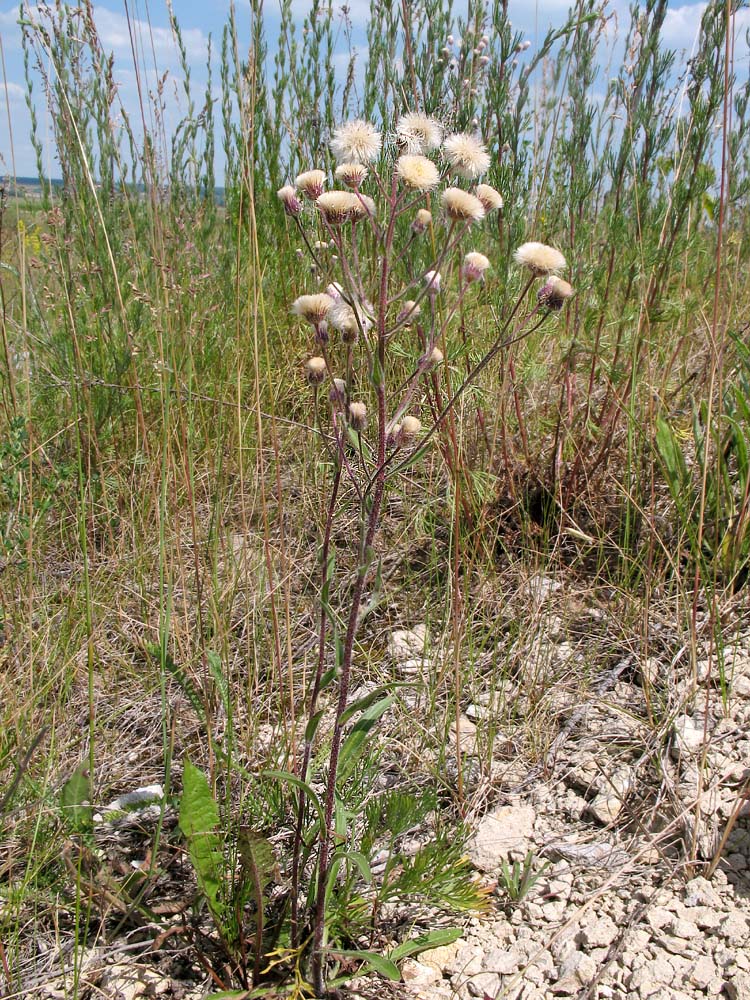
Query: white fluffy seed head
x=417, y=172
x=315, y=369
x=351, y=174
x=409, y=312
x=555, y=292
x=410, y=427
x=418, y=133
x=338, y=207
x=348, y=321
x=432, y=281
x=356, y=142
x=313, y=308
x=460, y=206
x=311, y=183
x=466, y=155
x=489, y=197
x=475, y=264
x=357, y=415
x=435, y=357
x=422, y=221
x=290, y=200
x=540, y=259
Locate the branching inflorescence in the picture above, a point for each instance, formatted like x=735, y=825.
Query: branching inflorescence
x=401, y=272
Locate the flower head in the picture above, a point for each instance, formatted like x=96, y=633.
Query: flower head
x=349, y=321
x=338, y=207
x=460, y=206
x=313, y=308
x=357, y=416
x=422, y=221
x=408, y=312
x=433, y=359
x=554, y=292
x=311, y=183
x=540, y=259
x=418, y=133
x=418, y=172
x=363, y=207
x=432, y=280
x=290, y=200
x=356, y=142
x=475, y=264
x=466, y=155
x=410, y=427
x=337, y=395
x=315, y=369
x=489, y=197
x=351, y=174
x=334, y=290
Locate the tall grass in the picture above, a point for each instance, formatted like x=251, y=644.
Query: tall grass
x=163, y=502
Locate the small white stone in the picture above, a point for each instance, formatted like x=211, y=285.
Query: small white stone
x=689, y=735
x=505, y=831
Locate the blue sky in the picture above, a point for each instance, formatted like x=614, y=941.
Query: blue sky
x=199, y=18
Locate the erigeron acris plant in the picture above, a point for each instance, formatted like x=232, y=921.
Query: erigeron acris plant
x=373, y=424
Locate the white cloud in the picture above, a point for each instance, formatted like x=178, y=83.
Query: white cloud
x=114, y=32
x=15, y=92
x=682, y=26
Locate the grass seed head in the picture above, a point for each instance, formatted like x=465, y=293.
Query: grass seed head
x=311, y=183
x=540, y=259
x=466, y=155
x=418, y=133
x=356, y=142
x=417, y=172
x=460, y=206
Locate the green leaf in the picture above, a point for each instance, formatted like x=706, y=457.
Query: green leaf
x=435, y=939
x=292, y=779
x=382, y=965
x=75, y=800
x=199, y=818
x=355, y=742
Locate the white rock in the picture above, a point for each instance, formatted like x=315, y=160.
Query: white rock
x=704, y=972
x=485, y=984
x=417, y=976
x=738, y=987
x=734, y=928
x=502, y=961
x=598, y=932
x=468, y=735
x=406, y=644
x=504, y=832
x=443, y=958
x=542, y=587
x=608, y=804
x=700, y=892
x=689, y=735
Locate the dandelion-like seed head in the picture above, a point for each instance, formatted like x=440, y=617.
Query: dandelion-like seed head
x=349, y=321
x=432, y=281
x=337, y=395
x=356, y=142
x=554, y=293
x=418, y=133
x=489, y=197
x=466, y=155
x=335, y=291
x=409, y=312
x=338, y=207
x=311, y=183
x=290, y=200
x=410, y=427
x=351, y=174
x=362, y=208
x=315, y=369
x=422, y=221
x=434, y=358
x=475, y=264
x=460, y=206
x=417, y=172
x=357, y=416
x=313, y=308
x=393, y=438
x=540, y=259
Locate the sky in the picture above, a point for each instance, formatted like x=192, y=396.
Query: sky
x=200, y=18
